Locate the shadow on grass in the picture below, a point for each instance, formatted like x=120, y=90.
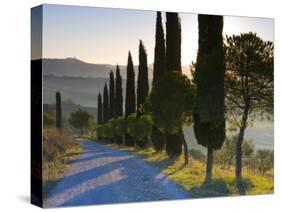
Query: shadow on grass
x=220, y=187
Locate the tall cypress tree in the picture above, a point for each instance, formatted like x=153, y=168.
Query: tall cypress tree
x=130, y=103
x=142, y=82
x=159, y=65
x=58, y=111
x=111, y=95
x=143, y=87
x=208, y=114
x=119, y=94
x=159, y=68
x=99, y=109
x=118, y=100
x=174, y=142
x=105, y=104
x=173, y=42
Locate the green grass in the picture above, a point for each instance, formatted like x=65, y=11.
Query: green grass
x=192, y=176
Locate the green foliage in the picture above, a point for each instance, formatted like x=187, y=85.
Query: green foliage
x=248, y=83
x=226, y=155
x=99, y=131
x=173, y=41
x=99, y=109
x=172, y=105
x=142, y=82
x=105, y=104
x=264, y=160
x=209, y=122
x=118, y=95
x=58, y=111
x=80, y=119
x=132, y=125
x=49, y=120
x=144, y=127
x=120, y=126
x=92, y=126
x=111, y=96
x=130, y=104
x=159, y=65
x=110, y=129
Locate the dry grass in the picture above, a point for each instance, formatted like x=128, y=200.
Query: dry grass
x=58, y=150
x=192, y=176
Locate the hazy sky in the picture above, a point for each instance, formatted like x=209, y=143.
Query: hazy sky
x=101, y=35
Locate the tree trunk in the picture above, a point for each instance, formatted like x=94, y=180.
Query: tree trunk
x=185, y=148
x=238, y=168
x=209, y=168
x=81, y=132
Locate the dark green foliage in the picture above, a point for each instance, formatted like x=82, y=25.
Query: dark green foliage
x=159, y=65
x=174, y=141
x=159, y=68
x=111, y=96
x=208, y=114
x=173, y=41
x=158, y=139
x=142, y=82
x=171, y=108
x=249, y=84
x=130, y=104
x=80, y=119
x=99, y=109
x=119, y=92
x=105, y=104
x=120, y=129
x=58, y=111
x=49, y=120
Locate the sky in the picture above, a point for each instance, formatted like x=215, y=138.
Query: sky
x=104, y=35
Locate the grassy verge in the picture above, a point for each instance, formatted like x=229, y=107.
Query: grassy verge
x=191, y=177
x=58, y=150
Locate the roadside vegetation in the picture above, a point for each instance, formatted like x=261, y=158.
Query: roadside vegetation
x=192, y=177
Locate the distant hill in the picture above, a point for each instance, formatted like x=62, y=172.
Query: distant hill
x=77, y=68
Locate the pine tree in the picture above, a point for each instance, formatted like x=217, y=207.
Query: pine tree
x=99, y=109
x=208, y=114
x=111, y=95
x=130, y=103
x=58, y=111
x=105, y=104
x=118, y=101
x=143, y=87
x=174, y=142
x=159, y=68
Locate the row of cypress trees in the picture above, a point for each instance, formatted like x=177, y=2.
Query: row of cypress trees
x=112, y=104
x=208, y=112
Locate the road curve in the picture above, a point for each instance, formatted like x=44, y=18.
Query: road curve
x=104, y=175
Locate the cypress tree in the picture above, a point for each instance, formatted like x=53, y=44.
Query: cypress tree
x=58, y=111
x=111, y=95
x=118, y=100
x=143, y=87
x=174, y=142
x=130, y=103
x=99, y=109
x=159, y=67
x=208, y=114
x=105, y=104
x=119, y=92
